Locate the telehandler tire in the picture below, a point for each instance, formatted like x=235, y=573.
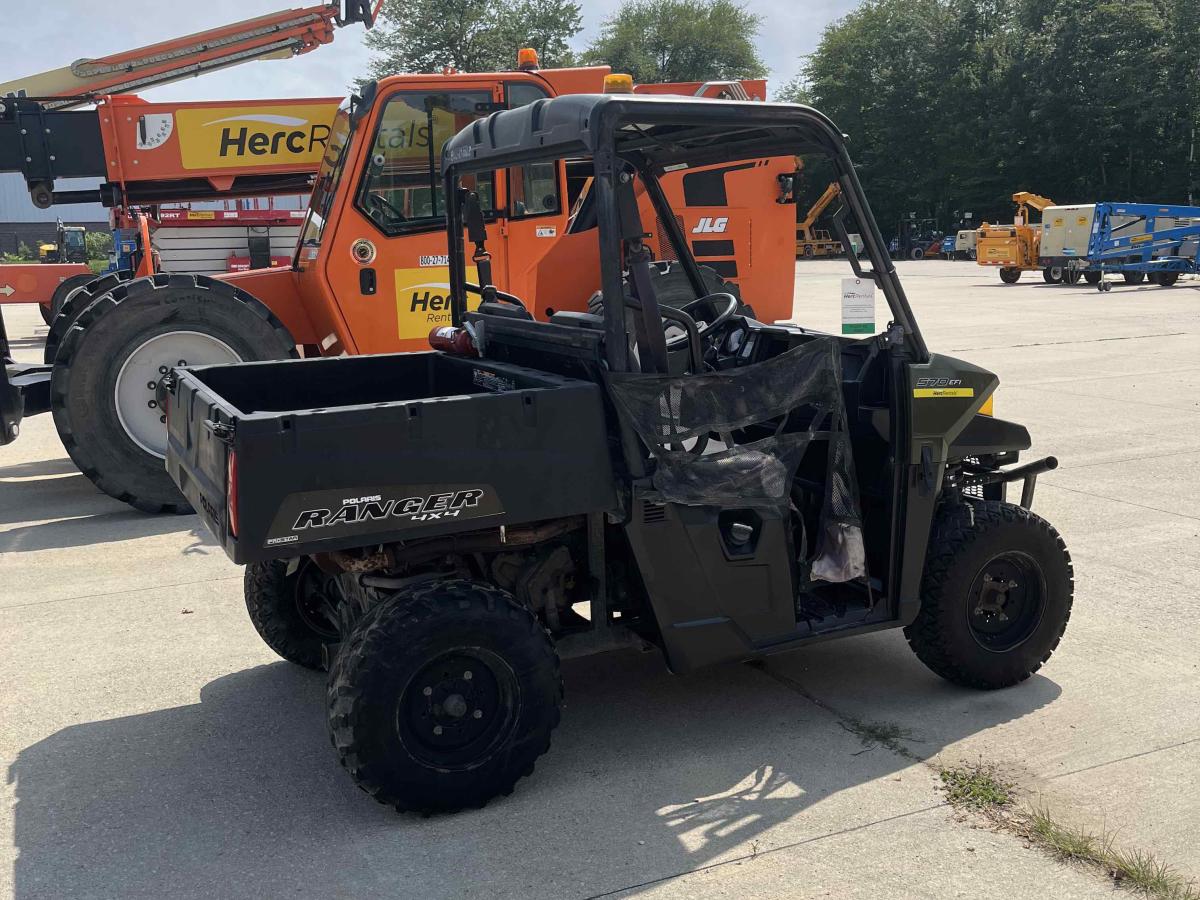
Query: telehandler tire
x=74, y=305
x=443, y=696
x=287, y=609
x=103, y=388
x=66, y=289
x=1133, y=277
x=996, y=595
x=1010, y=276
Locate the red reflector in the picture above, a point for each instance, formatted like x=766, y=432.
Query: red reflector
x=231, y=492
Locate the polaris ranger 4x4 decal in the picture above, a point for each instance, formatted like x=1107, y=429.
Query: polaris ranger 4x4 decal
x=321, y=515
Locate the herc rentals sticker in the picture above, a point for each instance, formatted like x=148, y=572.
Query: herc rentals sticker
x=423, y=300
x=217, y=137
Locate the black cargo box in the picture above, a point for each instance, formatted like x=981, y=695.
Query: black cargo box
x=357, y=451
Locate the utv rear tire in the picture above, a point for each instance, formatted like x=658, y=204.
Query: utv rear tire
x=996, y=595
x=103, y=386
x=443, y=696
x=75, y=303
x=1133, y=277
x=286, y=610
x=1010, y=276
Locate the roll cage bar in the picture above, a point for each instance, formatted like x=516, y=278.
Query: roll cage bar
x=649, y=136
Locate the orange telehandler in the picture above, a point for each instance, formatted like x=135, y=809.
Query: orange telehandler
x=369, y=273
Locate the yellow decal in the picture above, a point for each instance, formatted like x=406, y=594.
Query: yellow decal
x=201, y=215
x=221, y=137
x=1081, y=220
x=923, y=393
x=1058, y=221
x=1141, y=238
x=423, y=300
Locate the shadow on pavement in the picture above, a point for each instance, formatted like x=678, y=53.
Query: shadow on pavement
x=650, y=776
x=53, y=505
x=60, y=466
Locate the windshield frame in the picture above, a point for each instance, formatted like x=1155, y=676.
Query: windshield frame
x=325, y=188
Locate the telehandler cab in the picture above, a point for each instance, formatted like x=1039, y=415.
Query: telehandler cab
x=439, y=528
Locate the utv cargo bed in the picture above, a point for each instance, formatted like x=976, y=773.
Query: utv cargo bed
x=298, y=457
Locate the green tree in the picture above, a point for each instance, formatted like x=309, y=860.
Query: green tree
x=470, y=35
x=952, y=105
x=99, y=244
x=679, y=40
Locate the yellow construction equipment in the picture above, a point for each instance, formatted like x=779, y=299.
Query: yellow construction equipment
x=811, y=241
x=1014, y=248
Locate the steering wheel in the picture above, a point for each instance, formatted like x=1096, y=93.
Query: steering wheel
x=726, y=307
x=385, y=208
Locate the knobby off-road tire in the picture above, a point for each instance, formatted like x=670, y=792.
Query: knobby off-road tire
x=443, y=696
x=65, y=289
x=75, y=303
x=1010, y=276
x=959, y=632
x=125, y=341
x=286, y=610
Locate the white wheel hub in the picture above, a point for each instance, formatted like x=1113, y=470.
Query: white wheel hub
x=136, y=391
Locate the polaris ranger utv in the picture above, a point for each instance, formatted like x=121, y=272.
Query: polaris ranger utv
x=439, y=528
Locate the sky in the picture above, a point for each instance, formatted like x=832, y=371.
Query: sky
x=84, y=28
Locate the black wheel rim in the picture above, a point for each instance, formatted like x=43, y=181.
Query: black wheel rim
x=458, y=709
x=312, y=604
x=1006, y=601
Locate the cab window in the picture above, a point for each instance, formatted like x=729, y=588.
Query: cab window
x=402, y=188
x=532, y=189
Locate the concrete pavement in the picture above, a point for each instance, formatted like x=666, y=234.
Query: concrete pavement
x=154, y=747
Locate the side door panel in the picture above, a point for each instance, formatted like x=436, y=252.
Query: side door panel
x=393, y=225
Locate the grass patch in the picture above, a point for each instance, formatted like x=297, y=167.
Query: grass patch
x=976, y=786
x=1133, y=869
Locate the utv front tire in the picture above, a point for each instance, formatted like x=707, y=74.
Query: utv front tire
x=443, y=697
x=996, y=595
x=103, y=388
x=288, y=609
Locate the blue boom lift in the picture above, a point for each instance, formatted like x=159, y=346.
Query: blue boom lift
x=1158, y=241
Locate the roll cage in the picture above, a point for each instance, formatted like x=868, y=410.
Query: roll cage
x=646, y=136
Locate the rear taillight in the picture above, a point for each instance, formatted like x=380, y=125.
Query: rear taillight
x=231, y=492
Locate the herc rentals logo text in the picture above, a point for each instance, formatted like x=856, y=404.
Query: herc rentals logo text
x=423, y=300
x=228, y=137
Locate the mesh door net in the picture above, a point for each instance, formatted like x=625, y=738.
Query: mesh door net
x=766, y=415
